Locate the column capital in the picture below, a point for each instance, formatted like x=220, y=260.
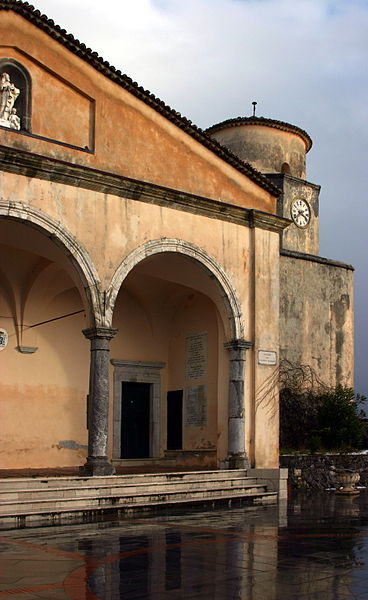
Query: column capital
x=105, y=333
x=239, y=344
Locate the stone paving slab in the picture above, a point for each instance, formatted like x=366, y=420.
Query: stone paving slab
x=314, y=548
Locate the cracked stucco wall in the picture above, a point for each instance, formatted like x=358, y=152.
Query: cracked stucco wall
x=317, y=318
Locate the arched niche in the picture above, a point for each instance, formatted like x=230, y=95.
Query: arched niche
x=21, y=79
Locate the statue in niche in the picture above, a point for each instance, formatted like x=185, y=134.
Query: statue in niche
x=8, y=95
x=14, y=120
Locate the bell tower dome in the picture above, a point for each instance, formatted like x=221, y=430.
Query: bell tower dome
x=268, y=145
x=278, y=150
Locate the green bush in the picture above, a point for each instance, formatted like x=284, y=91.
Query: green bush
x=338, y=420
x=328, y=420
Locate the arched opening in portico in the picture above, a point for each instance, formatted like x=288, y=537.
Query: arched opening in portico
x=171, y=368
x=45, y=365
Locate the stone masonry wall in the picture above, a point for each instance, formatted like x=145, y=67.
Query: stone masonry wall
x=318, y=471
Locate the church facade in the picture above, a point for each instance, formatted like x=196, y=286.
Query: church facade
x=153, y=276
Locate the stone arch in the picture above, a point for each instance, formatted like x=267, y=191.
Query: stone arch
x=209, y=264
x=78, y=256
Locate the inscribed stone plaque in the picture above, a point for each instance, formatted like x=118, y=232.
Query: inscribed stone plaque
x=196, y=355
x=267, y=357
x=196, y=406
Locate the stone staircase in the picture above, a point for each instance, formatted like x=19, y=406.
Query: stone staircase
x=33, y=502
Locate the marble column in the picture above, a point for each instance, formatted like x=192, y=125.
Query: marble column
x=236, y=427
x=98, y=406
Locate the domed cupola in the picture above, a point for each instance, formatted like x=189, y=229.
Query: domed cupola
x=269, y=145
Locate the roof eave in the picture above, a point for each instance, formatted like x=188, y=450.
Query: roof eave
x=33, y=15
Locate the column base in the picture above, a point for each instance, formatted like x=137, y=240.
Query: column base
x=238, y=461
x=96, y=466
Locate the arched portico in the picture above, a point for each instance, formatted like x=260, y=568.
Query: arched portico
x=167, y=295
x=49, y=292
x=87, y=279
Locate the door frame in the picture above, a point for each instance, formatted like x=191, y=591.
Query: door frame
x=137, y=372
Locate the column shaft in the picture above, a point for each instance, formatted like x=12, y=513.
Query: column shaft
x=236, y=426
x=97, y=462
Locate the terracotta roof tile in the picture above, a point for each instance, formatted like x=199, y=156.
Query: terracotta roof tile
x=33, y=15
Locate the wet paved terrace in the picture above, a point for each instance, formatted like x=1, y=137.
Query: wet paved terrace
x=316, y=547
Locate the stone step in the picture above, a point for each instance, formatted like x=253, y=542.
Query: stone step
x=152, y=495
x=30, y=502
x=35, y=518
x=77, y=482
x=115, y=489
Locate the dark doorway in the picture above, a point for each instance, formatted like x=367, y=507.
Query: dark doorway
x=175, y=420
x=135, y=419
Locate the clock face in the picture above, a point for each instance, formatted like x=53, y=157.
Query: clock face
x=300, y=213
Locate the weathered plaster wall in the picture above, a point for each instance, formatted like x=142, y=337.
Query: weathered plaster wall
x=110, y=227
x=115, y=133
x=134, y=223
x=124, y=135
x=223, y=396
x=266, y=337
x=43, y=394
x=144, y=334
x=195, y=315
x=316, y=318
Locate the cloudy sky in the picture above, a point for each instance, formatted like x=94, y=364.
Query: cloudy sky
x=303, y=61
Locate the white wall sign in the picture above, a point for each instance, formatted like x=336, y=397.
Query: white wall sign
x=267, y=357
x=3, y=339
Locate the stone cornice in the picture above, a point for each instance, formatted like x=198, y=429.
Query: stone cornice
x=263, y=220
x=41, y=167
x=28, y=12
x=316, y=259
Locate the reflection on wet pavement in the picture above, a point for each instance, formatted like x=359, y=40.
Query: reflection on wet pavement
x=316, y=547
